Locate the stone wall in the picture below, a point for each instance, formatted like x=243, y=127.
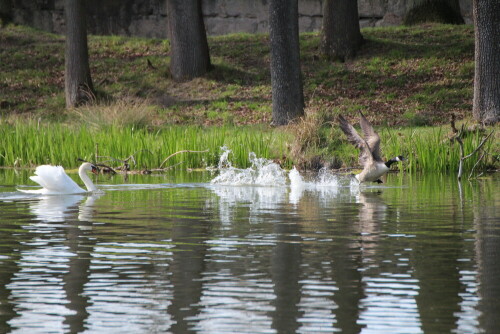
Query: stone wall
x=147, y=18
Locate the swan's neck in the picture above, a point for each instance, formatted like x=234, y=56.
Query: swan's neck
x=86, y=180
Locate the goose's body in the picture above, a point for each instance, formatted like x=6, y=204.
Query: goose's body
x=372, y=172
x=54, y=180
x=373, y=165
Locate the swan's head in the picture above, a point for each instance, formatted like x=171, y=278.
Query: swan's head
x=87, y=166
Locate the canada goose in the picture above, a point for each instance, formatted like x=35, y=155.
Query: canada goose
x=369, y=155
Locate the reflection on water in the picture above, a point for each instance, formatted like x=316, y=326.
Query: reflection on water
x=56, y=208
x=308, y=256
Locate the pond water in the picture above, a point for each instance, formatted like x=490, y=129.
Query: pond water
x=251, y=253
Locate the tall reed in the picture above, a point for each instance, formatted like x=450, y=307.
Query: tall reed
x=430, y=149
x=28, y=144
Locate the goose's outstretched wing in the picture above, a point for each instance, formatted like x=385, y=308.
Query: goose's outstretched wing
x=365, y=154
x=371, y=137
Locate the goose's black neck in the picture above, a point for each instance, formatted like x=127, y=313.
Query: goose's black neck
x=390, y=162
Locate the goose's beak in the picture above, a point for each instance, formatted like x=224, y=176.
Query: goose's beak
x=95, y=170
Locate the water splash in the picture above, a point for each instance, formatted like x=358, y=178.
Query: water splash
x=325, y=184
x=224, y=161
x=296, y=180
x=262, y=172
x=324, y=178
x=297, y=186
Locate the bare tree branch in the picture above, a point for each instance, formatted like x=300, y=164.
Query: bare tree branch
x=183, y=151
x=485, y=139
x=458, y=138
x=475, y=165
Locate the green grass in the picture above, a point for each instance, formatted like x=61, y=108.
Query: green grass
x=426, y=69
x=31, y=144
x=429, y=149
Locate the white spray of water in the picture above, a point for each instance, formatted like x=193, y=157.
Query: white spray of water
x=296, y=180
x=262, y=172
x=265, y=172
x=297, y=186
x=324, y=178
x=325, y=184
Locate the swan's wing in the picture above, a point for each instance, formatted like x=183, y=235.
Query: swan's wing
x=371, y=137
x=54, y=180
x=365, y=154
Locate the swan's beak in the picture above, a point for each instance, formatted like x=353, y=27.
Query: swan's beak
x=95, y=170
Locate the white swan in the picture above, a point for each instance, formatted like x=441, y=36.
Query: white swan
x=54, y=180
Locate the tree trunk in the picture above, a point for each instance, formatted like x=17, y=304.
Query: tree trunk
x=486, y=103
x=78, y=83
x=341, y=36
x=286, y=76
x=441, y=11
x=5, y=12
x=189, y=56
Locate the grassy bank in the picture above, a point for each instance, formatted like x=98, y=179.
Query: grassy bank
x=402, y=76
x=407, y=80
